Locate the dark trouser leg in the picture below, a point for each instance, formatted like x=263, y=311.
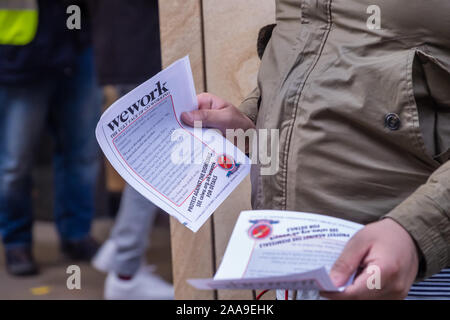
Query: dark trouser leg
x=75, y=112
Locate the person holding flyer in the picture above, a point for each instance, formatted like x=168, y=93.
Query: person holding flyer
x=363, y=125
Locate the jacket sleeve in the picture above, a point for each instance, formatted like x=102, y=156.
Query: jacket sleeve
x=249, y=106
x=426, y=216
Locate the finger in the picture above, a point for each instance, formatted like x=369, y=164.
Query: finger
x=356, y=291
x=191, y=117
x=208, y=118
x=349, y=260
x=204, y=101
x=210, y=101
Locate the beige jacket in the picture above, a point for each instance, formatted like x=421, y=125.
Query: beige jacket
x=363, y=115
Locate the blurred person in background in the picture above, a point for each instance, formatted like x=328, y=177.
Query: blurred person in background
x=47, y=81
x=127, y=51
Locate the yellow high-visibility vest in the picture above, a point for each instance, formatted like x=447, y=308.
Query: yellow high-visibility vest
x=18, y=21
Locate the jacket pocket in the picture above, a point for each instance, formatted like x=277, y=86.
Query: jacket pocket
x=428, y=84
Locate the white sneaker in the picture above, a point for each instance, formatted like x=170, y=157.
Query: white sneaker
x=145, y=285
x=104, y=259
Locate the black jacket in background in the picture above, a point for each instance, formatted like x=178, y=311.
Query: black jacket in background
x=53, y=50
x=126, y=40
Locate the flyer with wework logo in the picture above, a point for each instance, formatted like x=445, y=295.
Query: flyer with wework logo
x=188, y=172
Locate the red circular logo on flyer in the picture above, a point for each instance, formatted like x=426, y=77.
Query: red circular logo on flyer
x=225, y=162
x=260, y=230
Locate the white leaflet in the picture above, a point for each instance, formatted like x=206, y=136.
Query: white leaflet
x=178, y=168
x=271, y=249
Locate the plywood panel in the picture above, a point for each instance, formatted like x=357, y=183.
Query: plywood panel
x=231, y=30
x=192, y=253
x=181, y=35
x=224, y=220
x=231, y=66
x=114, y=182
x=192, y=257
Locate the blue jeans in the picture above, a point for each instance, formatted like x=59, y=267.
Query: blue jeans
x=69, y=105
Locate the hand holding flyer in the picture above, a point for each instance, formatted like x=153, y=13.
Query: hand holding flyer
x=271, y=249
x=188, y=172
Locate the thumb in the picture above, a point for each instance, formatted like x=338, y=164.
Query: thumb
x=348, y=262
x=208, y=118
